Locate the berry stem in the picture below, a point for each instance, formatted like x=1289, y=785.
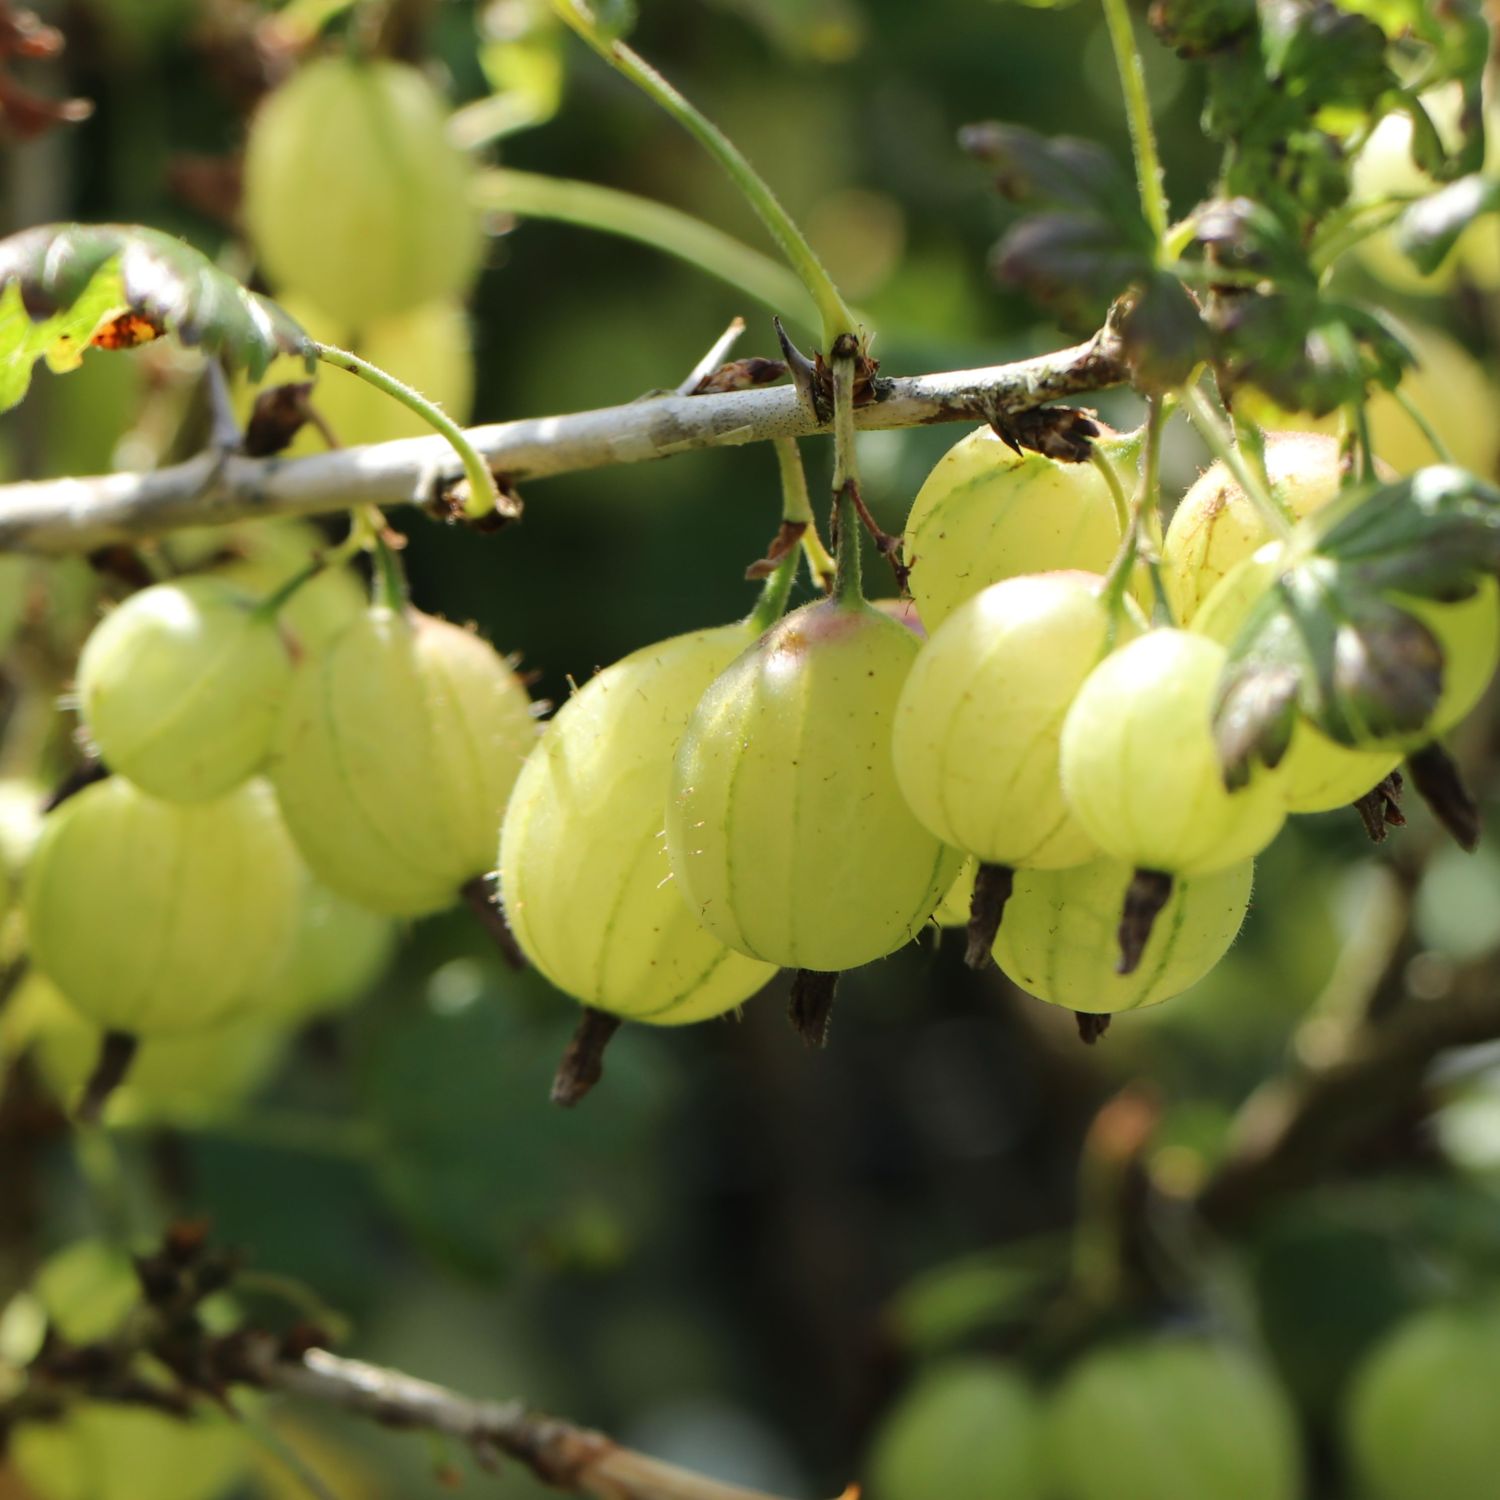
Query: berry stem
x=836, y=317
x=1147, y=495
x=845, y=525
x=1213, y=430
x=1148, y=171
x=366, y=525
x=485, y=498
x=390, y=577
x=797, y=507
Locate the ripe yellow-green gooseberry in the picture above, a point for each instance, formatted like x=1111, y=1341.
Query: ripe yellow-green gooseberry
x=427, y=347
x=106, y=1452
x=1384, y=168
x=584, y=876
x=1447, y=385
x=1419, y=1420
x=1059, y=937
x=1179, y=1418
x=986, y=513
x=1322, y=774
x=1140, y=768
x=338, y=951
x=975, y=742
x=153, y=917
x=1216, y=523
x=20, y=827
x=260, y=557
x=183, y=1079
x=968, y=1429
x=786, y=830
x=181, y=686
x=354, y=196
x=395, y=754
x=1141, y=771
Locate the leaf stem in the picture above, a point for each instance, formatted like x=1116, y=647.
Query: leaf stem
x=532, y=195
x=484, y=494
x=836, y=317
x=1138, y=112
x=1215, y=432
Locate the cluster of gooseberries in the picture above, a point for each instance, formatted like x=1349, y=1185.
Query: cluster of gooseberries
x=1184, y=1415
x=806, y=790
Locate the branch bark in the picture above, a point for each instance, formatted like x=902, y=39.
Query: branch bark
x=560, y=1454
x=78, y=515
x=1290, y=1131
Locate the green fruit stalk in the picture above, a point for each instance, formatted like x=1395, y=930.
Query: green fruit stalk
x=1420, y=1421
x=986, y=513
x=394, y=758
x=153, y=917
x=1174, y=1419
x=584, y=876
x=968, y=1429
x=786, y=830
x=260, y=557
x=1058, y=940
x=354, y=195
x=181, y=687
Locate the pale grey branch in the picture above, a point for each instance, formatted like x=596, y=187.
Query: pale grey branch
x=78, y=515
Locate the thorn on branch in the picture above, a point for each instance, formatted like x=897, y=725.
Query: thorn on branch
x=810, y=390
x=740, y=375
x=582, y=1064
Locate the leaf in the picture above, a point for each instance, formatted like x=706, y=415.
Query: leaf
x=1320, y=54
x=1162, y=334
x=1430, y=228
x=1194, y=27
x=60, y=284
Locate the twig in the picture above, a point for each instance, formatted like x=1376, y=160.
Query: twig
x=560, y=1454
x=1291, y=1130
x=79, y=515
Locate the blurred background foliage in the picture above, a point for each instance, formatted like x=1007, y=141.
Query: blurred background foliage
x=736, y=1254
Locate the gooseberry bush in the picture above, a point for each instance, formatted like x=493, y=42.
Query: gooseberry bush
x=1138, y=673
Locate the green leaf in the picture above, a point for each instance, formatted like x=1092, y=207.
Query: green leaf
x=1330, y=639
x=60, y=284
x=1430, y=228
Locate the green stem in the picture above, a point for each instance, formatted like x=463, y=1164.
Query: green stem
x=835, y=314
x=774, y=593
x=846, y=579
x=1428, y=431
x=1213, y=430
x=362, y=533
x=1147, y=495
x=1364, y=445
x=797, y=507
x=532, y=195
x=484, y=494
x=1116, y=489
x=1138, y=112
x=390, y=578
